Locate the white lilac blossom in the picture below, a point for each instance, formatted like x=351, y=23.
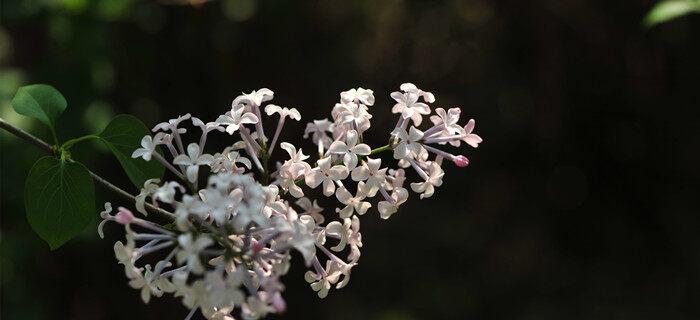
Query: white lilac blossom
x=230, y=161
x=206, y=128
x=326, y=175
x=359, y=95
x=391, y=204
x=172, y=127
x=372, y=174
x=446, y=124
x=350, y=149
x=319, y=130
x=409, y=145
x=312, y=209
x=146, y=150
x=284, y=112
x=470, y=138
x=235, y=118
x=192, y=160
x=408, y=104
x=231, y=240
x=353, y=204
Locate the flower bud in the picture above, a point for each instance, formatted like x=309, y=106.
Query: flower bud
x=257, y=247
x=461, y=161
x=124, y=216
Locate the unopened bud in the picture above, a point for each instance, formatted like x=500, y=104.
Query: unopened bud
x=461, y=161
x=124, y=216
x=257, y=247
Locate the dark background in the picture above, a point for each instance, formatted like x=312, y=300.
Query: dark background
x=580, y=204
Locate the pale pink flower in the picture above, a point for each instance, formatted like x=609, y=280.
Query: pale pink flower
x=353, y=203
x=235, y=118
x=387, y=208
x=359, y=95
x=408, y=106
x=350, y=150
x=409, y=146
x=326, y=175
x=427, y=187
x=372, y=174
x=470, y=138
x=193, y=160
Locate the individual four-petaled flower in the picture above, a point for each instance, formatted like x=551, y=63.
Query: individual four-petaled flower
x=193, y=160
x=327, y=175
x=350, y=150
x=353, y=203
x=235, y=118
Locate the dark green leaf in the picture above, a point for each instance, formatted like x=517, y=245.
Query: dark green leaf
x=40, y=101
x=60, y=200
x=123, y=135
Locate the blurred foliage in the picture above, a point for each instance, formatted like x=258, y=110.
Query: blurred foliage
x=670, y=9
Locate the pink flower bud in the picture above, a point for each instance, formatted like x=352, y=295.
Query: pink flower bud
x=461, y=161
x=257, y=247
x=124, y=216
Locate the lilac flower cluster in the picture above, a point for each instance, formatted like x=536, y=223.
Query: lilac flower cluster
x=231, y=238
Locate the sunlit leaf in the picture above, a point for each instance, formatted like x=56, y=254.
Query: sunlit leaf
x=60, y=200
x=40, y=101
x=670, y=9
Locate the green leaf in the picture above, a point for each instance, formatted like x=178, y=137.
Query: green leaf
x=40, y=101
x=60, y=199
x=670, y=9
x=122, y=136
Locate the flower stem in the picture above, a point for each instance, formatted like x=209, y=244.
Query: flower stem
x=381, y=149
x=265, y=156
x=280, y=124
x=66, y=145
x=53, y=151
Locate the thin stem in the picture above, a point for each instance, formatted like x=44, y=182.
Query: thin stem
x=149, y=207
x=178, y=140
x=433, y=130
x=245, y=134
x=381, y=149
x=52, y=151
x=439, y=152
x=203, y=140
x=167, y=164
x=152, y=226
x=259, y=125
x=189, y=315
x=142, y=252
x=66, y=145
x=386, y=195
x=265, y=157
x=280, y=124
x=444, y=138
x=419, y=170
x=151, y=236
x=251, y=147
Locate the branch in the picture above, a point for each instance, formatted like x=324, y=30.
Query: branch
x=52, y=151
x=27, y=136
